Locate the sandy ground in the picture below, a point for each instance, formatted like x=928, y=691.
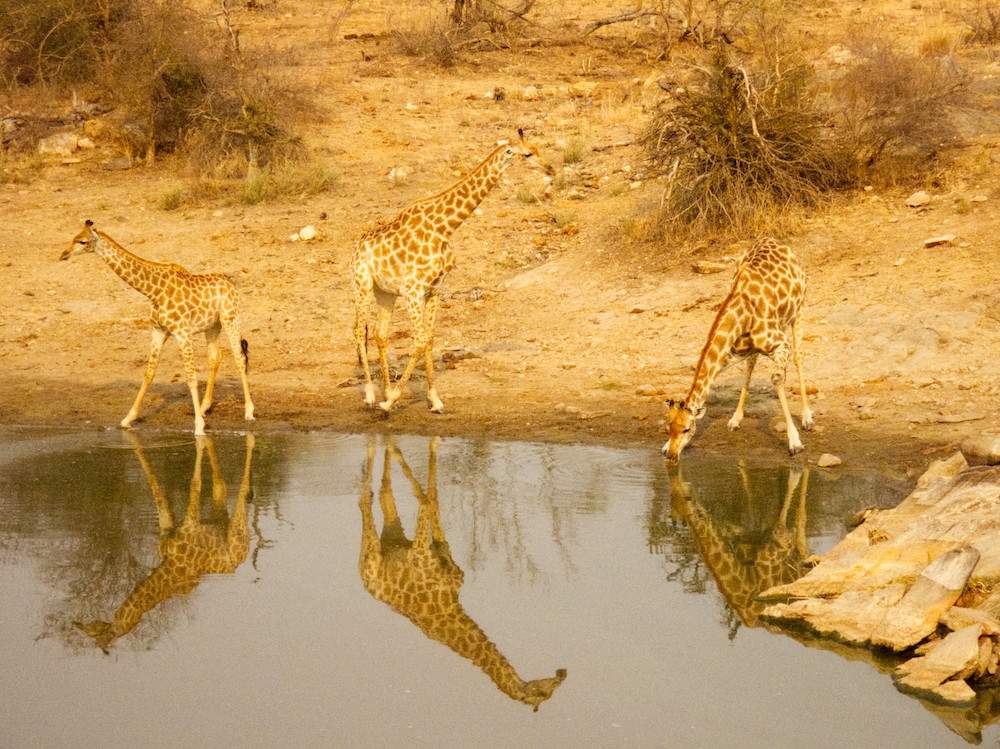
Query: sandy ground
x=556, y=328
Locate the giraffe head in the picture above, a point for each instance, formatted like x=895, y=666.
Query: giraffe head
x=85, y=241
x=527, y=151
x=539, y=690
x=683, y=422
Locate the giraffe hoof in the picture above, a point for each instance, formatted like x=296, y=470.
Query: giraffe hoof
x=809, y=425
x=795, y=449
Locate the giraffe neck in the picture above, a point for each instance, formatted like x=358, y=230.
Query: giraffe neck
x=142, y=275
x=456, y=629
x=721, y=338
x=451, y=207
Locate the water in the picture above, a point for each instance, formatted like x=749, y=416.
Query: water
x=588, y=559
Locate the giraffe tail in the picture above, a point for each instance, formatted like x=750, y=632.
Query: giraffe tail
x=245, y=347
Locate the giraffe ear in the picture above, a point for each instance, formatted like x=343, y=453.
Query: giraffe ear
x=700, y=412
x=88, y=223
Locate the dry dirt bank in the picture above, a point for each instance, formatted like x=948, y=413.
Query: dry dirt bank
x=901, y=339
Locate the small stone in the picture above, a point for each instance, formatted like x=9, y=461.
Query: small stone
x=307, y=233
x=646, y=390
x=826, y=460
x=583, y=89
x=943, y=239
x=918, y=199
x=529, y=93
x=706, y=267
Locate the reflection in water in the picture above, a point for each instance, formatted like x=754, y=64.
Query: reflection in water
x=188, y=551
x=419, y=579
x=753, y=551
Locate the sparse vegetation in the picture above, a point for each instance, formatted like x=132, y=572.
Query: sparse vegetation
x=574, y=150
x=170, y=82
x=171, y=199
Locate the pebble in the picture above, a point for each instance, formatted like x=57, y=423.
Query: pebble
x=918, y=199
x=826, y=460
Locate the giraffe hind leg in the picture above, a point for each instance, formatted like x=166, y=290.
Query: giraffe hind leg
x=159, y=336
x=421, y=341
x=241, y=353
x=362, y=305
x=214, y=359
x=191, y=375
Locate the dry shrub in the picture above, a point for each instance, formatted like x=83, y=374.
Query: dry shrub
x=53, y=40
x=740, y=145
x=983, y=20
x=893, y=111
x=175, y=82
x=427, y=35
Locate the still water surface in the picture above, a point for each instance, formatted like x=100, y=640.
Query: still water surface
x=350, y=591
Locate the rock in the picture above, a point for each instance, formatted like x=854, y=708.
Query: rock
x=647, y=390
x=60, y=144
x=529, y=93
x=953, y=660
x=307, y=232
x=583, y=89
x=981, y=449
x=706, y=267
x=826, y=460
x=943, y=239
x=934, y=591
x=399, y=174
x=918, y=199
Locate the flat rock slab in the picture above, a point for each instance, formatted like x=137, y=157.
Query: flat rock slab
x=893, y=583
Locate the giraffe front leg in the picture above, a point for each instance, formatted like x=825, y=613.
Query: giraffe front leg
x=737, y=417
x=159, y=336
x=431, y=315
x=807, y=418
x=780, y=357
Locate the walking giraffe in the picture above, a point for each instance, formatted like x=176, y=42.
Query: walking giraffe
x=421, y=581
x=765, y=302
x=183, y=304
x=410, y=257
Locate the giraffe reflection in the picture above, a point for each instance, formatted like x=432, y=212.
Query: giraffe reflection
x=746, y=556
x=188, y=551
x=419, y=579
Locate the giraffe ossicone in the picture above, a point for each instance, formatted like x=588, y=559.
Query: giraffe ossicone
x=764, y=306
x=409, y=257
x=182, y=305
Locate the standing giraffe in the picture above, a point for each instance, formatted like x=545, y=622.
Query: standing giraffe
x=419, y=579
x=410, y=257
x=188, y=551
x=183, y=304
x=765, y=302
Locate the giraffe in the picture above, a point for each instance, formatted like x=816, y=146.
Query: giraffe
x=765, y=301
x=188, y=551
x=745, y=561
x=410, y=257
x=419, y=579
x=183, y=304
